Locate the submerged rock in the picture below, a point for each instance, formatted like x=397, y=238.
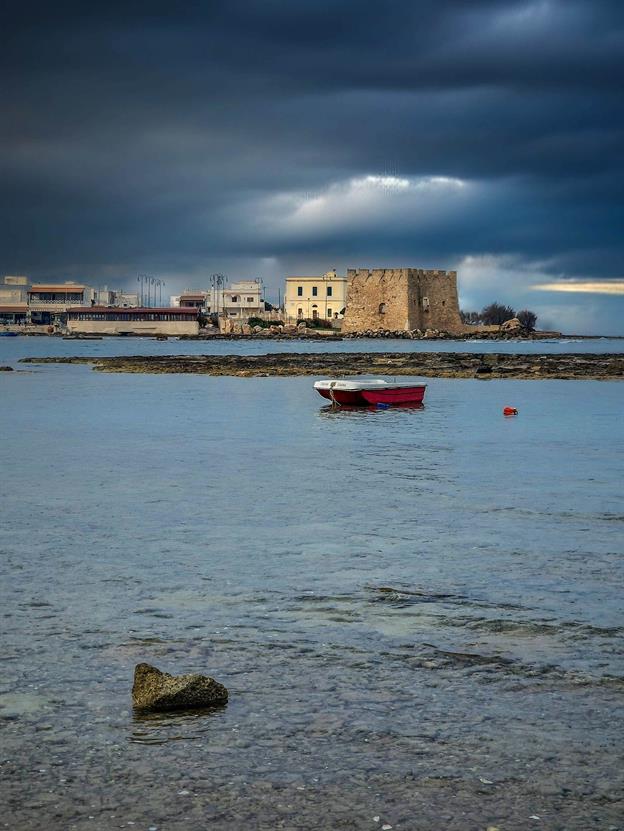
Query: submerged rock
x=156, y=690
x=6, y=369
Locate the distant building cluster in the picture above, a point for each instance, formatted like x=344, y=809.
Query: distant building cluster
x=47, y=304
x=403, y=299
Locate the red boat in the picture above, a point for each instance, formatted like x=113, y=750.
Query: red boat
x=371, y=392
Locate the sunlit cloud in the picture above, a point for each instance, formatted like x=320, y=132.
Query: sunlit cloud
x=369, y=202
x=584, y=287
x=510, y=279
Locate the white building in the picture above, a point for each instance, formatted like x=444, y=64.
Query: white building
x=242, y=300
x=115, y=297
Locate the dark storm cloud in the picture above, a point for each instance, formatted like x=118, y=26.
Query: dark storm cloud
x=186, y=139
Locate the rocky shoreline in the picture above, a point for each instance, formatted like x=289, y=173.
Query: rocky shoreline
x=427, y=364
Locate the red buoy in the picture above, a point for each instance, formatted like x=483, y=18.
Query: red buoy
x=510, y=411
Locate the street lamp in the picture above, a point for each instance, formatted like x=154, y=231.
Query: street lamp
x=143, y=281
x=217, y=281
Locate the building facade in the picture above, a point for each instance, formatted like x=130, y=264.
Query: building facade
x=13, y=290
x=239, y=301
x=15, y=314
x=14, y=301
x=402, y=299
x=115, y=297
x=48, y=302
x=315, y=298
x=194, y=299
x=108, y=320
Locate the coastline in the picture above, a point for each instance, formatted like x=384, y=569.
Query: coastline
x=565, y=366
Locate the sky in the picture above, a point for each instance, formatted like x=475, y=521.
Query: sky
x=261, y=138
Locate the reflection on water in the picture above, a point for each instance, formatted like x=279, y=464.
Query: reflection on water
x=356, y=412
x=181, y=725
x=417, y=614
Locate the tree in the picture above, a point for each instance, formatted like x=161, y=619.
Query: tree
x=527, y=318
x=470, y=317
x=496, y=313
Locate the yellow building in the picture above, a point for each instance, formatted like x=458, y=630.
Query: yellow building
x=315, y=297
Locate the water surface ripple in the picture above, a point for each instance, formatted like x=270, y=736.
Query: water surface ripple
x=418, y=614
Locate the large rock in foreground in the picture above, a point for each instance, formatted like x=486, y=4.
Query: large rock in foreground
x=156, y=690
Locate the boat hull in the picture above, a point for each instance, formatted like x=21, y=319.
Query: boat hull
x=394, y=397
x=405, y=397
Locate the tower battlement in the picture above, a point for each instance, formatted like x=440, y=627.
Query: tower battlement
x=401, y=299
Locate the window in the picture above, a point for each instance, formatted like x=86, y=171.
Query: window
x=299, y=312
x=382, y=308
x=234, y=298
x=314, y=291
x=329, y=291
x=426, y=304
x=315, y=314
x=329, y=313
x=250, y=300
x=299, y=291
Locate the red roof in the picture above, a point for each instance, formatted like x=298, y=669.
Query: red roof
x=187, y=311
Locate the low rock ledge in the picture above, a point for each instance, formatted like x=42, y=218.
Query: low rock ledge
x=429, y=364
x=154, y=690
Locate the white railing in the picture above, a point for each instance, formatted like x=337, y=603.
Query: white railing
x=34, y=300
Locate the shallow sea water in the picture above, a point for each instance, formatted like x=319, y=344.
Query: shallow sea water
x=12, y=349
x=418, y=613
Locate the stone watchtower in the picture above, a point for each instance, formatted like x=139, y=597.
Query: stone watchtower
x=401, y=299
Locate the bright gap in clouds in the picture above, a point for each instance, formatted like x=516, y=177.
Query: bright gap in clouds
x=584, y=287
x=397, y=183
x=384, y=182
x=371, y=202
